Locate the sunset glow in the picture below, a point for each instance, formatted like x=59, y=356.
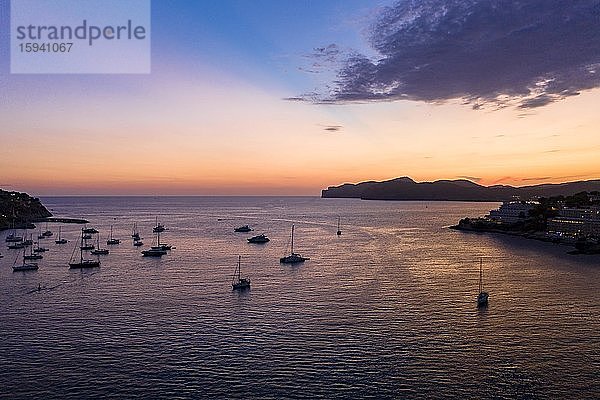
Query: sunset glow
x=211, y=119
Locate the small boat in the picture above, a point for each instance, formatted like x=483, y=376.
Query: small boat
x=339, y=231
x=135, y=234
x=98, y=251
x=16, y=245
x=293, y=258
x=158, y=228
x=84, y=241
x=244, y=228
x=47, y=232
x=262, y=238
x=13, y=238
x=32, y=255
x=28, y=242
x=25, y=266
x=482, y=297
x=238, y=282
x=155, y=251
x=112, y=240
x=138, y=243
x=90, y=230
x=82, y=263
x=41, y=236
x=39, y=249
x=60, y=240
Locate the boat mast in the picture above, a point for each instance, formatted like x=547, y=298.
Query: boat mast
x=81, y=247
x=239, y=268
x=338, y=223
x=480, y=274
x=292, y=238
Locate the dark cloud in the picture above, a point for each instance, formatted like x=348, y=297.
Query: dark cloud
x=486, y=52
x=332, y=128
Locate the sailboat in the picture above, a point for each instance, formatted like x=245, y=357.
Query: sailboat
x=84, y=240
x=39, y=249
x=98, y=251
x=60, y=240
x=47, y=232
x=31, y=255
x=238, y=282
x=90, y=230
x=482, y=297
x=155, y=251
x=293, y=258
x=27, y=242
x=112, y=240
x=13, y=238
x=339, y=231
x=244, y=228
x=81, y=262
x=135, y=234
x=158, y=228
x=16, y=245
x=25, y=266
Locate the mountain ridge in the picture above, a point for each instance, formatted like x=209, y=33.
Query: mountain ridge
x=405, y=188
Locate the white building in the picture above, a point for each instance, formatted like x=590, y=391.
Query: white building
x=575, y=222
x=511, y=212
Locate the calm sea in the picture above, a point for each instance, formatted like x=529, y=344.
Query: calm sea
x=386, y=310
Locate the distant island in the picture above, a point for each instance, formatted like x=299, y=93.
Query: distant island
x=452, y=190
x=20, y=209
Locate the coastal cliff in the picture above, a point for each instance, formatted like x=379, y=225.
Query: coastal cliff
x=451, y=190
x=20, y=208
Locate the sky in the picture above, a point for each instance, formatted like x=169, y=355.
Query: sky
x=287, y=97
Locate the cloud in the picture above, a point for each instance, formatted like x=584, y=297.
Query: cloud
x=332, y=128
x=488, y=53
x=470, y=178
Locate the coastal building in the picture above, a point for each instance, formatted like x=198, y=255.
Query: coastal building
x=575, y=222
x=511, y=212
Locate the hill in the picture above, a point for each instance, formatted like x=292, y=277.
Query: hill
x=452, y=190
x=21, y=208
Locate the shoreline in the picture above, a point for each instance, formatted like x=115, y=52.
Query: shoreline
x=31, y=225
x=538, y=236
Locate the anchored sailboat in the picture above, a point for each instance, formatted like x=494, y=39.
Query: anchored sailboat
x=60, y=240
x=238, y=282
x=482, y=298
x=98, y=251
x=293, y=258
x=82, y=262
x=158, y=228
x=25, y=266
x=112, y=240
x=155, y=251
x=339, y=231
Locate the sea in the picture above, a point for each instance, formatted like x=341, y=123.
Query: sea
x=387, y=309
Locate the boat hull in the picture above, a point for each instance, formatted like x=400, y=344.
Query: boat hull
x=25, y=267
x=84, y=264
x=482, y=299
x=292, y=259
